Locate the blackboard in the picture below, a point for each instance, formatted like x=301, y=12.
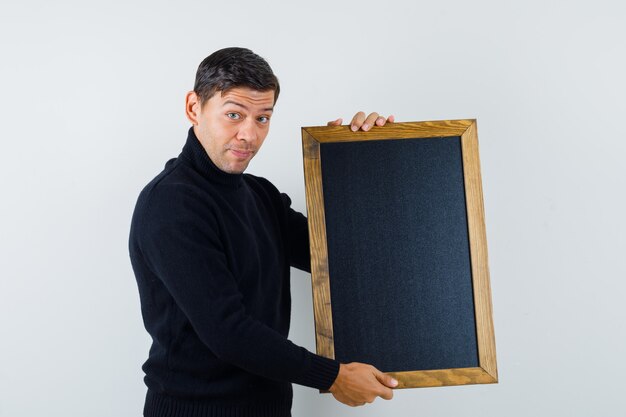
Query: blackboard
x=398, y=250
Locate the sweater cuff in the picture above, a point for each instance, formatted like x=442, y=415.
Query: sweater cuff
x=321, y=374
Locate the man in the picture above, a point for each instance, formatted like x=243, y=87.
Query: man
x=211, y=249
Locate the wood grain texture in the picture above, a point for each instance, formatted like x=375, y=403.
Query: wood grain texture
x=407, y=130
x=319, y=249
x=478, y=252
x=442, y=377
x=310, y=147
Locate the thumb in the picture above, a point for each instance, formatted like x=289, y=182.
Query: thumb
x=386, y=379
x=336, y=122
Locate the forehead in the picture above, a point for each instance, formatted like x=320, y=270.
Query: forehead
x=248, y=97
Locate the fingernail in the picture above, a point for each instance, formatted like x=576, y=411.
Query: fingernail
x=365, y=126
x=354, y=128
x=394, y=382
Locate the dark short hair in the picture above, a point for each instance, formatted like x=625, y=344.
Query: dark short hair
x=234, y=67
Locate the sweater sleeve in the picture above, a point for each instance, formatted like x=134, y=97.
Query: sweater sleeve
x=185, y=253
x=297, y=236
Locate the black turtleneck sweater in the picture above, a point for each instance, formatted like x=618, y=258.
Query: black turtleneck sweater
x=211, y=252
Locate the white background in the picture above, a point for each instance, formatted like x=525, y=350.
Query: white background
x=91, y=98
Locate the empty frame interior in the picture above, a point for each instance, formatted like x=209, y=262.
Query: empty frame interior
x=398, y=250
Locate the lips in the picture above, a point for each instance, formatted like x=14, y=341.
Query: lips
x=241, y=153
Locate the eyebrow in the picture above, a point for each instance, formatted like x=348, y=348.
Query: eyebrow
x=244, y=107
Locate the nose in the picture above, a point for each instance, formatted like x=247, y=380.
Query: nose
x=248, y=131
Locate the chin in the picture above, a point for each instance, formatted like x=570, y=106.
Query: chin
x=236, y=169
x=232, y=167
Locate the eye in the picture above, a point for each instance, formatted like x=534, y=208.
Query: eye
x=233, y=116
x=263, y=119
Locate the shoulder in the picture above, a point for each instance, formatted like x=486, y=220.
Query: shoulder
x=257, y=182
x=172, y=196
x=263, y=186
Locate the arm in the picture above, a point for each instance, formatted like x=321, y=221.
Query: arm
x=297, y=237
x=186, y=255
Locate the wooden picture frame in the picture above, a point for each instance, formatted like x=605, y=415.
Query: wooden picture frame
x=484, y=371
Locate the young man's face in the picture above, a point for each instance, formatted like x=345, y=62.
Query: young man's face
x=232, y=127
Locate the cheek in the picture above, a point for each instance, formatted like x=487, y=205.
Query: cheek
x=262, y=139
x=263, y=131
x=222, y=133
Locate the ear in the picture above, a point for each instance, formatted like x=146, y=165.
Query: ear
x=192, y=107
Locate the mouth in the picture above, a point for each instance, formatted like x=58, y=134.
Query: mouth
x=241, y=153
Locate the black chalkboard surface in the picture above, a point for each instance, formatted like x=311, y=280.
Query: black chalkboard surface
x=398, y=251
x=398, y=243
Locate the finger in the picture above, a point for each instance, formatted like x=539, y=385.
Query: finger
x=336, y=122
x=386, y=394
x=380, y=121
x=357, y=121
x=385, y=379
x=369, y=121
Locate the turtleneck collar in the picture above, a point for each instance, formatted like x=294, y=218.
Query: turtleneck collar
x=195, y=153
